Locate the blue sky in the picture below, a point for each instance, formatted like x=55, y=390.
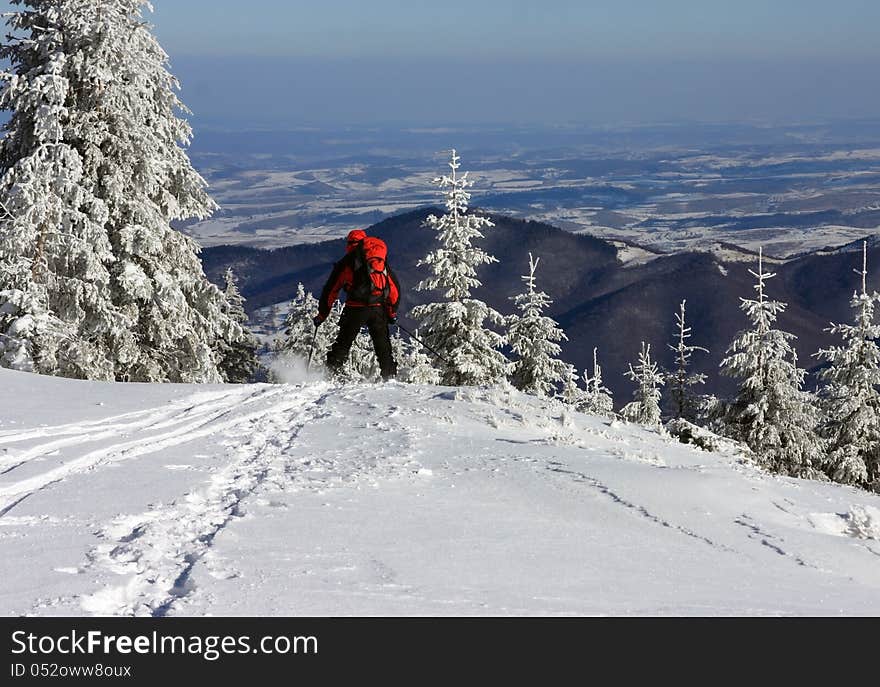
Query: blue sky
x=516, y=28
x=454, y=62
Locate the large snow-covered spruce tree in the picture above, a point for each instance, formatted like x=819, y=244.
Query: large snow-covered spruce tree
x=455, y=325
x=770, y=413
x=56, y=315
x=534, y=340
x=94, y=282
x=850, y=398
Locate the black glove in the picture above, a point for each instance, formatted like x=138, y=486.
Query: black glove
x=317, y=320
x=392, y=319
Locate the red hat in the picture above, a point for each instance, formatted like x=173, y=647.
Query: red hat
x=356, y=235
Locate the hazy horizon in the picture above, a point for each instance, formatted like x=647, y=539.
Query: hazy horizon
x=312, y=91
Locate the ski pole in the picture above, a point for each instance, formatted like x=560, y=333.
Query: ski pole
x=419, y=341
x=312, y=349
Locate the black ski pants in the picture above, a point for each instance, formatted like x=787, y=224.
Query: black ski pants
x=350, y=323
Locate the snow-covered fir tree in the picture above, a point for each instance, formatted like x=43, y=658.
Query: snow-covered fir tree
x=534, y=340
x=299, y=327
x=238, y=354
x=455, y=325
x=770, y=413
x=398, y=352
x=685, y=403
x=56, y=313
x=850, y=398
x=301, y=337
x=415, y=365
x=597, y=399
x=571, y=393
x=362, y=364
x=95, y=282
x=645, y=406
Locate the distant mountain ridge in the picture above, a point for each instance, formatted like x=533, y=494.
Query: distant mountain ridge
x=599, y=300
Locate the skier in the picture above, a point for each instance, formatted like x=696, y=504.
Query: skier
x=372, y=300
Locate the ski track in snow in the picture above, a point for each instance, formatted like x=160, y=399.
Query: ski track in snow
x=159, y=549
x=113, y=427
x=118, y=421
x=178, y=423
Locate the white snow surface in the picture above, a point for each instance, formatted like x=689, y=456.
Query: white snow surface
x=324, y=499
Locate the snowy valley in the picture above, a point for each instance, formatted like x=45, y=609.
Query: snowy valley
x=669, y=188
x=327, y=499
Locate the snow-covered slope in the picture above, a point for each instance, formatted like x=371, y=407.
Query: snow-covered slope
x=396, y=499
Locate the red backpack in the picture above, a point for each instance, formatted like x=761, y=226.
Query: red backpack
x=370, y=285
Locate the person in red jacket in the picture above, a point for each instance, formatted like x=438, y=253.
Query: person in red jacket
x=372, y=300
